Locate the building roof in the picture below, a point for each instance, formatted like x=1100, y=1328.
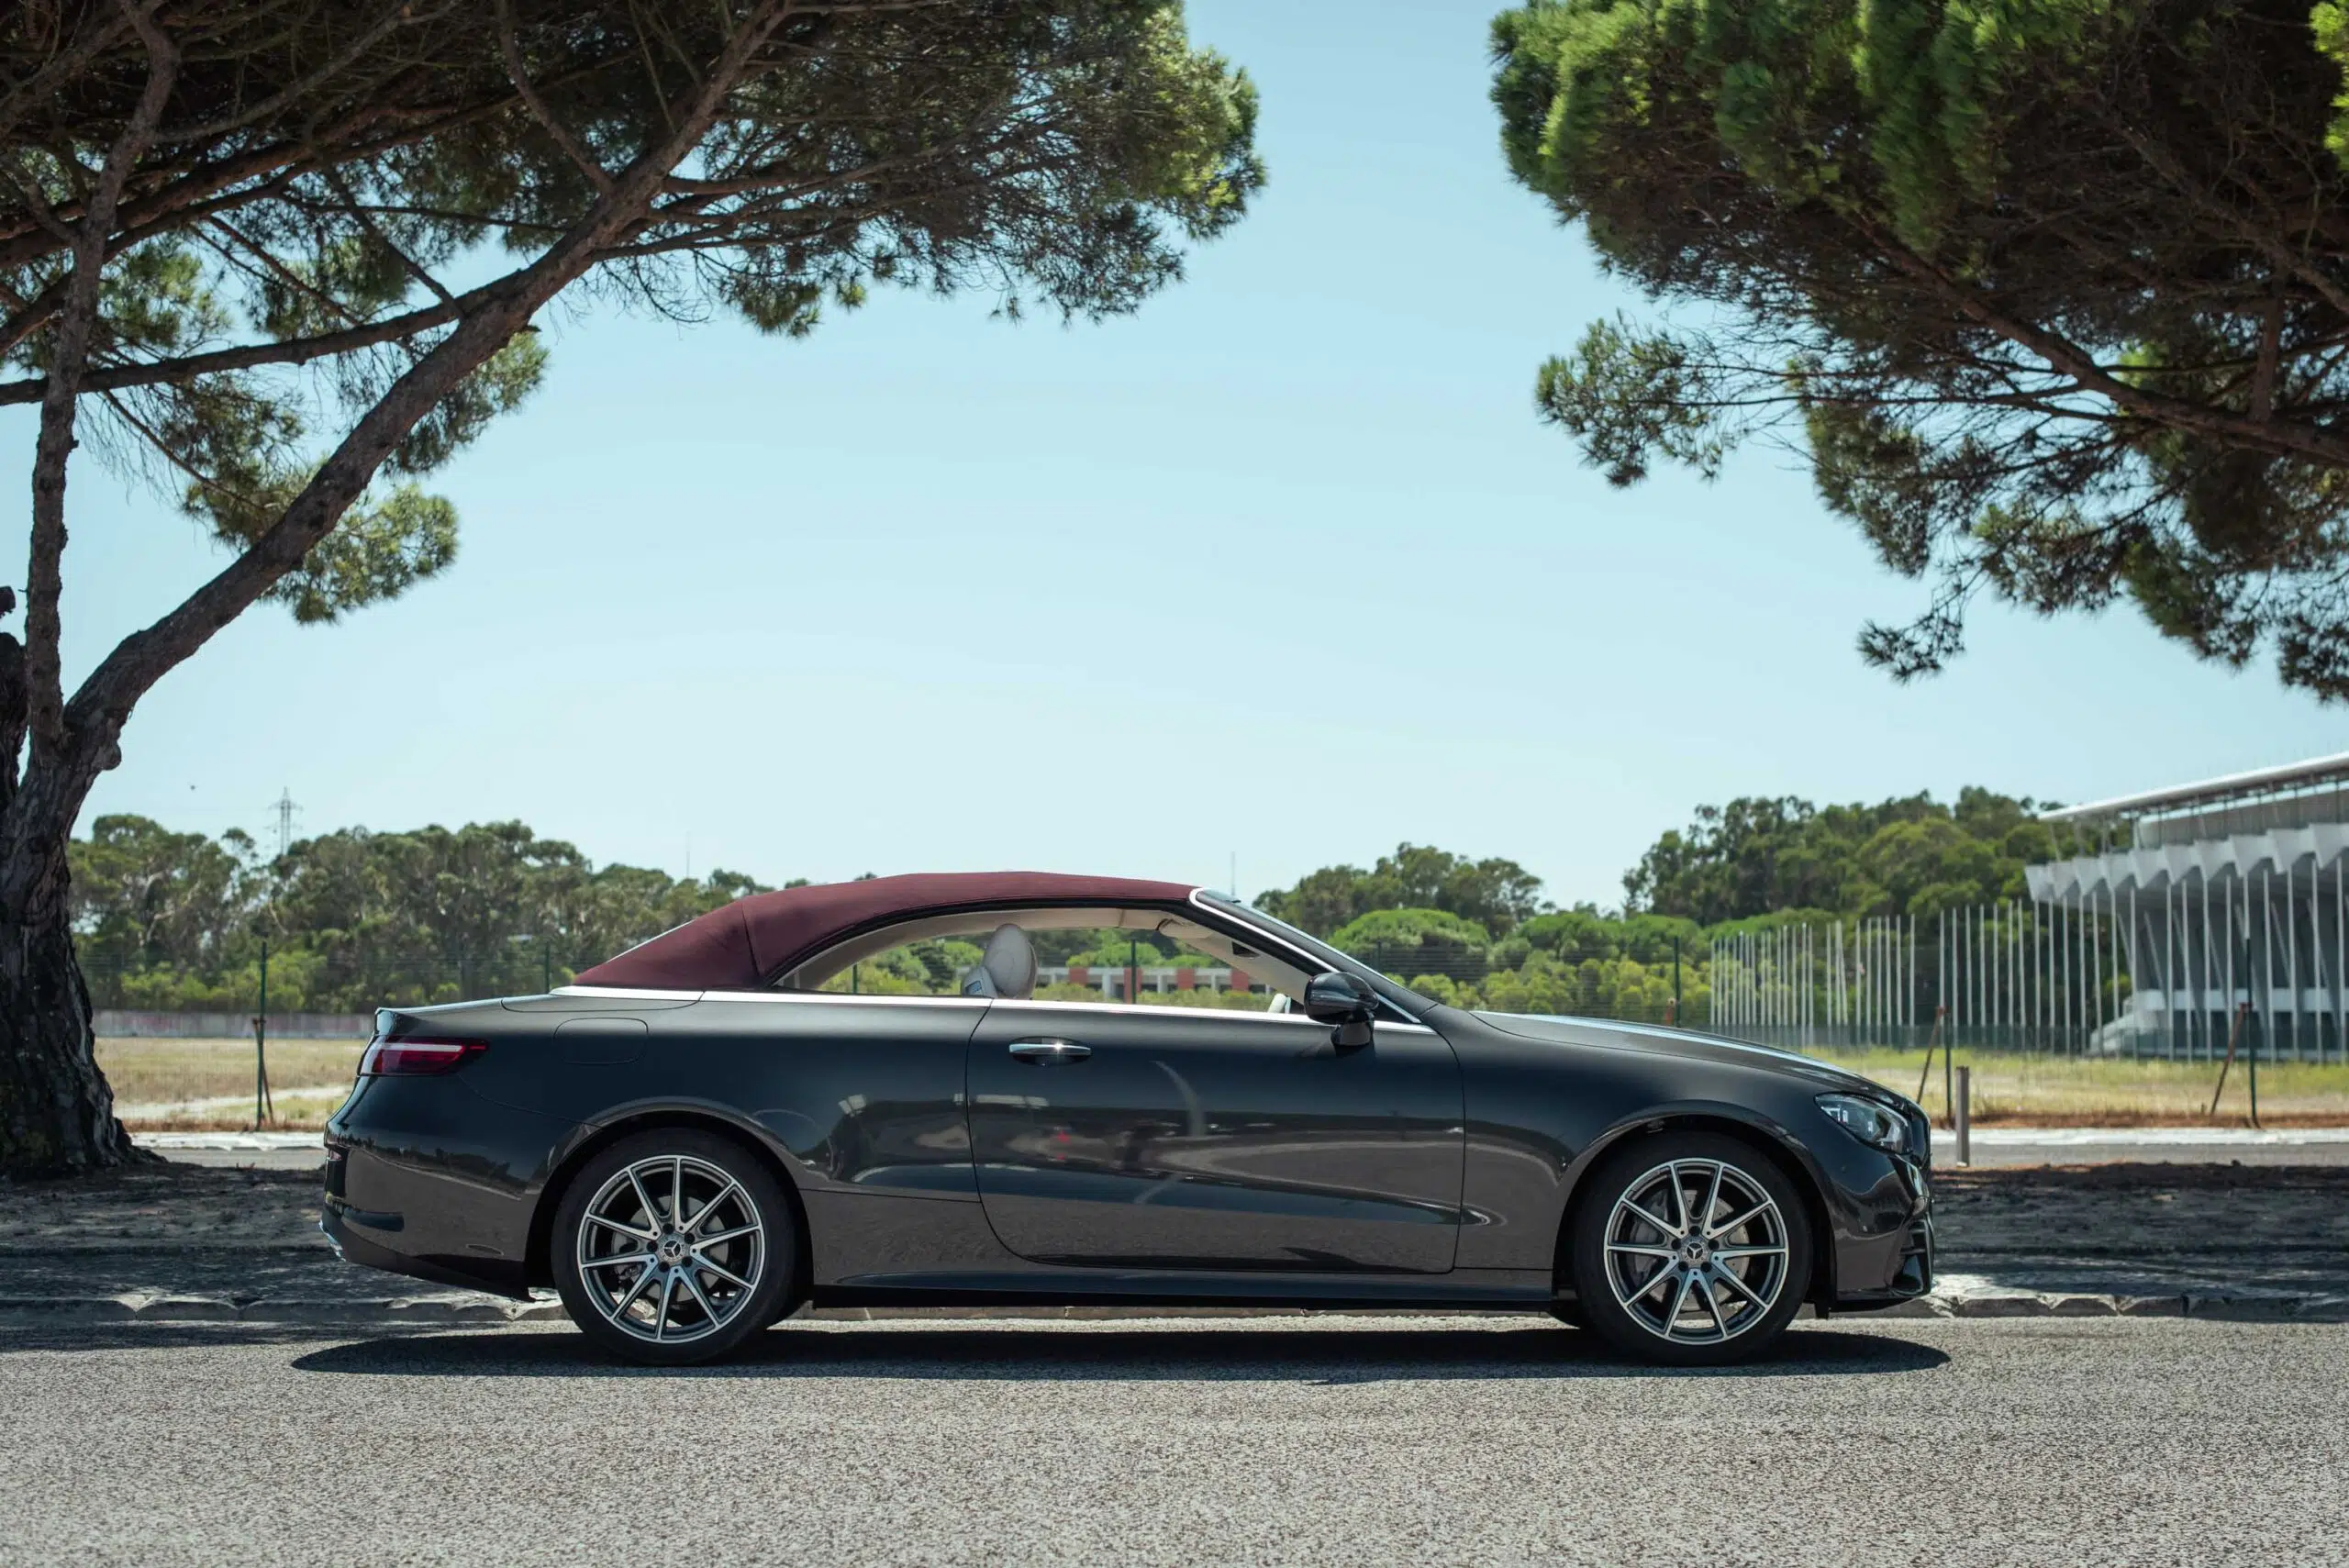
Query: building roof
x=2259, y=782
x=744, y=945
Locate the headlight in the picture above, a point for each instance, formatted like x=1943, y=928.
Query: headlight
x=1870, y=1122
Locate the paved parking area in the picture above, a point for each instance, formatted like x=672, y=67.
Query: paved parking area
x=1189, y=1441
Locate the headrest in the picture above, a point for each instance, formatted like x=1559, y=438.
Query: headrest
x=1007, y=967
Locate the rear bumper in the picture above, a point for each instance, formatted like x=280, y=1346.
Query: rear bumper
x=454, y=1219
x=369, y=1247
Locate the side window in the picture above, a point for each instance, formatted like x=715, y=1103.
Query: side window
x=932, y=967
x=1108, y=964
x=1074, y=964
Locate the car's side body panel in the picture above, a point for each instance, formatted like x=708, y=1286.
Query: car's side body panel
x=1183, y=1137
x=867, y=1105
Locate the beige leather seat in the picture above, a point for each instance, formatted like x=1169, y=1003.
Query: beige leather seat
x=1007, y=968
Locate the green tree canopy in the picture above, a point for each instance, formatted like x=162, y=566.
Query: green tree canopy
x=1417, y=941
x=145, y=896
x=1576, y=935
x=1908, y=856
x=2053, y=292
x=1494, y=893
x=357, y=919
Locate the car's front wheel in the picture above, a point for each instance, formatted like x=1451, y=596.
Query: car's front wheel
x=1693, y=1249
x=673, y=1246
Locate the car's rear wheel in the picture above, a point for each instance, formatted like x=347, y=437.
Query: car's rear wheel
x=1693, y=1249
x=673, y=1246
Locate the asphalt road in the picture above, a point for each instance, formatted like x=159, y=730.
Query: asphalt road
x=1349, y=1441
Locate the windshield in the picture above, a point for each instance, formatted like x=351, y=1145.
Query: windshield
x=1401, y=995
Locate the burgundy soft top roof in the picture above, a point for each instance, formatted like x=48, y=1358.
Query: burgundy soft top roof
x=740, y=946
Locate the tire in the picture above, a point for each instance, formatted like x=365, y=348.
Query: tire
x=1653, y=1287
x=683, y=1303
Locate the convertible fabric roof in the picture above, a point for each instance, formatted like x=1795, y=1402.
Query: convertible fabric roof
x=742, y=945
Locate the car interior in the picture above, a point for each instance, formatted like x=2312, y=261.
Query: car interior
x=1008, y=963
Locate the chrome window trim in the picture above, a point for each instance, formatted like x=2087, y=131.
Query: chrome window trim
x=845, y=998
x=630, y=993
x=627, y=993
x=835, y=998
x=1160, y=1010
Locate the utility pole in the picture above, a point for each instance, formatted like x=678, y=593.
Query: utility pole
x=263, y=1107
x=285, y=810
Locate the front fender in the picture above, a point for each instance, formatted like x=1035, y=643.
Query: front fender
x=1811, y=1182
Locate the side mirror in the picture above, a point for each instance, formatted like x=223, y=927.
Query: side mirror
x=1342, y=999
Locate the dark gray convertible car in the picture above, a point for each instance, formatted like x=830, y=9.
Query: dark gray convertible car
x=771, y=1106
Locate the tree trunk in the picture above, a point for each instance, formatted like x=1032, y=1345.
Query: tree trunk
x=56, y=1109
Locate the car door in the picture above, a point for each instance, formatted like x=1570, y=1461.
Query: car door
x=1183, y=1137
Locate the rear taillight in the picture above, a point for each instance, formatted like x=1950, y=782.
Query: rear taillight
x=417, y=1058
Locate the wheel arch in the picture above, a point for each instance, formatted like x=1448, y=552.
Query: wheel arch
x=1772, y=1143
x=538, y=1266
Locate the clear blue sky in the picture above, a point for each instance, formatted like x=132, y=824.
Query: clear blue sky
x=1282, y=568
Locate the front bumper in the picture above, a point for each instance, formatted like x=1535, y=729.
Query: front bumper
x=1894, y=1266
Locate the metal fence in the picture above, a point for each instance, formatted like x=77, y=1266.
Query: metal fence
x=356, y=979
x=2022, y=976
x=346, y=980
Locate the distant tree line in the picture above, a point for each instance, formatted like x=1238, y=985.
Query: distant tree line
x=355, y=919
x=1479, y=931
x=1908, y=856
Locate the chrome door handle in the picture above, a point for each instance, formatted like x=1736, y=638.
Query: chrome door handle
x=1048, y=1053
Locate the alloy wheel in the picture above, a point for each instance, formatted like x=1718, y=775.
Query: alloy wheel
x=1695, y=1252
x=670, y=1249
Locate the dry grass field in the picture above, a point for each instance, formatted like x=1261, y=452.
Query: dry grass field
x=309, y=1077
x=149, y=1075
x=2051, y=1091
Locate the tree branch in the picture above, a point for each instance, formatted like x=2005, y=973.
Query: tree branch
x=27, y=319
x=366, y=219
x=2278, y=438
x=103, y=705
x=45, y=701
x=518, y=72
x=253, y=356
x=2263, y=370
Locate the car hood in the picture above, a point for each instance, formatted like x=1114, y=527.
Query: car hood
x=1684, y=1044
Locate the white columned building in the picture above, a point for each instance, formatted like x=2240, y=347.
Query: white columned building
x=2214, y=899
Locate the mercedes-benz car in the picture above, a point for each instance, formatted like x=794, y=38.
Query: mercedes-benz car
x=860, y=1094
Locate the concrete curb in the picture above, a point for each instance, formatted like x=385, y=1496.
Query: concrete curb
x=459, y=1308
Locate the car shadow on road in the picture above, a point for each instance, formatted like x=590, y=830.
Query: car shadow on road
x=1190, y=1354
